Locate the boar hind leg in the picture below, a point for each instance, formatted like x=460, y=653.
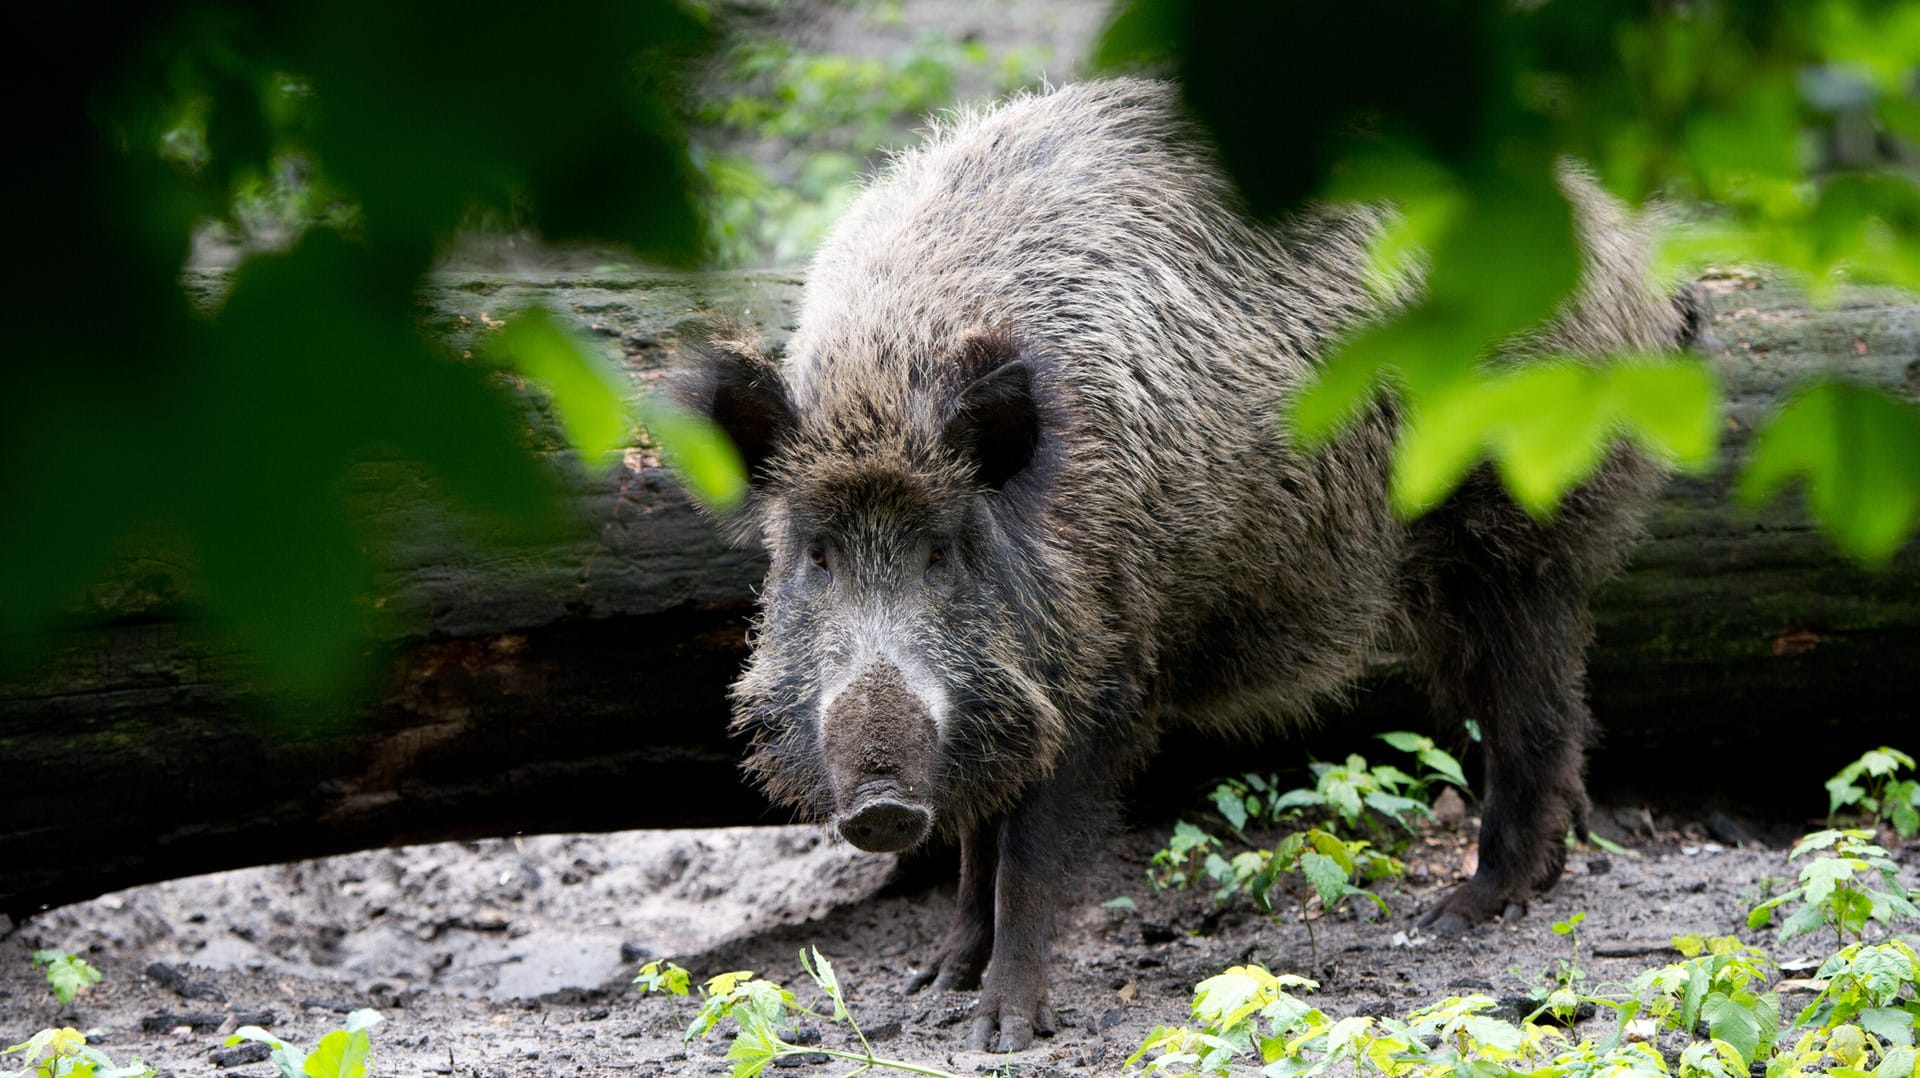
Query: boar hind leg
x=963, y=956
x=1506, y=646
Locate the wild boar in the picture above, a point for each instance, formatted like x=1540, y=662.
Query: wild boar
x=1029, y=500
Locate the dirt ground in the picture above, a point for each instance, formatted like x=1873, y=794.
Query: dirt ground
x=512, y=957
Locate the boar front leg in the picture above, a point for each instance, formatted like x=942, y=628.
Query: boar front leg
x=969, y=942
x=1033, y=852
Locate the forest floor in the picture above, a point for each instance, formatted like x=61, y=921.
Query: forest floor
x=513, y=957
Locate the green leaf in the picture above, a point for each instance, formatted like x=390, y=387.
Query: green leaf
x=1891, y=1024
x=67, y=974
x=340, y=1054
x=699, y=451
x=1231, y=806
x=822, y=973
x=1745, y=1022
x=1858, y=452
x=585, y=390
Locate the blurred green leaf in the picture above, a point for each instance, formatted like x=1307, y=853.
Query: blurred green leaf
x=699, y=450
x=1792, y=129
x=585, y=390
x=1856, y=450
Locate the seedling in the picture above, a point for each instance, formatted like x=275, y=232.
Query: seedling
x=64, y=1053
x=1173, y=865
x=68, y=975
x=760, y=1010
x=1723, y=984
x=1564, y=974
x=1347, y=792
x=1876, y=985
x=1840, y=890
x=663, y=977
x=1329, y=865
x=1244, y=1011
x=1870, y=786
x=341, y=1053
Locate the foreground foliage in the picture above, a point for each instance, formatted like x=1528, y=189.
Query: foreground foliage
x=64, y=1053
x=1795, y=123
x=340, y=1053
x=1717, y=1002
x=764, y=1016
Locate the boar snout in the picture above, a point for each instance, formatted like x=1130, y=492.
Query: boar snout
x=882, y=821
x=880, y=745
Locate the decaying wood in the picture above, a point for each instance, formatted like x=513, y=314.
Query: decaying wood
x=579, y=683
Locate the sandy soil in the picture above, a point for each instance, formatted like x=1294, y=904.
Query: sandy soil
x=512, y=957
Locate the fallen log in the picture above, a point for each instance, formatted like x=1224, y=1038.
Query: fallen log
x=579, y=683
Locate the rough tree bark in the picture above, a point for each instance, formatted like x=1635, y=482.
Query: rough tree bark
x=579, y=684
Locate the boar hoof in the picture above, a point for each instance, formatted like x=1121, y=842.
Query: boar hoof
x=1470, y=905
x=1015, y=1022
x=884, y=825
x=958, y=966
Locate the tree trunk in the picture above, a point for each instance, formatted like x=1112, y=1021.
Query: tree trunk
x=580, y=684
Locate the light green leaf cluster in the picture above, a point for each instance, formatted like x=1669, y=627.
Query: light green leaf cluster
x=1856, y=450
x=64, y=1053
x=665, y=977
x=587, y=395
x=1871, y=784
x=340, y=1053
x=761, y=1010
x=68, y=975
x=1790, y=127
x=1348, y=791
x=1857, y=884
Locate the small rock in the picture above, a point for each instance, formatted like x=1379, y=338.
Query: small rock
x=198, y=1021
x=883, y=1031
x=1599, y=866
x=635, y=952
x=1449, y=809
x=241, y=1054
x=1157, y=932
x=183, y=986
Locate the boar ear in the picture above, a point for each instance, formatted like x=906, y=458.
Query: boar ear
x=995, y=423
x=741, y=391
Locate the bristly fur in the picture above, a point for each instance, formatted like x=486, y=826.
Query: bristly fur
x=1051, y=333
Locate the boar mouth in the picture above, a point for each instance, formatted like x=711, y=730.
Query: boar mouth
x=884, y=819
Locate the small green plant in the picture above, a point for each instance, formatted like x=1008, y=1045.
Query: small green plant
x=1327, y=863
x=64, y=1053
x=1174, y=865
x=1722, y=983
x=341, y=1053
x=1876, y=985
x=1856, y=884
x=761, y=1009
x=1871, y=787
x=1348, y=791
x=1566, y=973
x=1244, y=1011
x=68, y=975
x=658, y=976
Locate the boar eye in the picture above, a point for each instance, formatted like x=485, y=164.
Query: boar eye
x=817, y=553
x=936, y=555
